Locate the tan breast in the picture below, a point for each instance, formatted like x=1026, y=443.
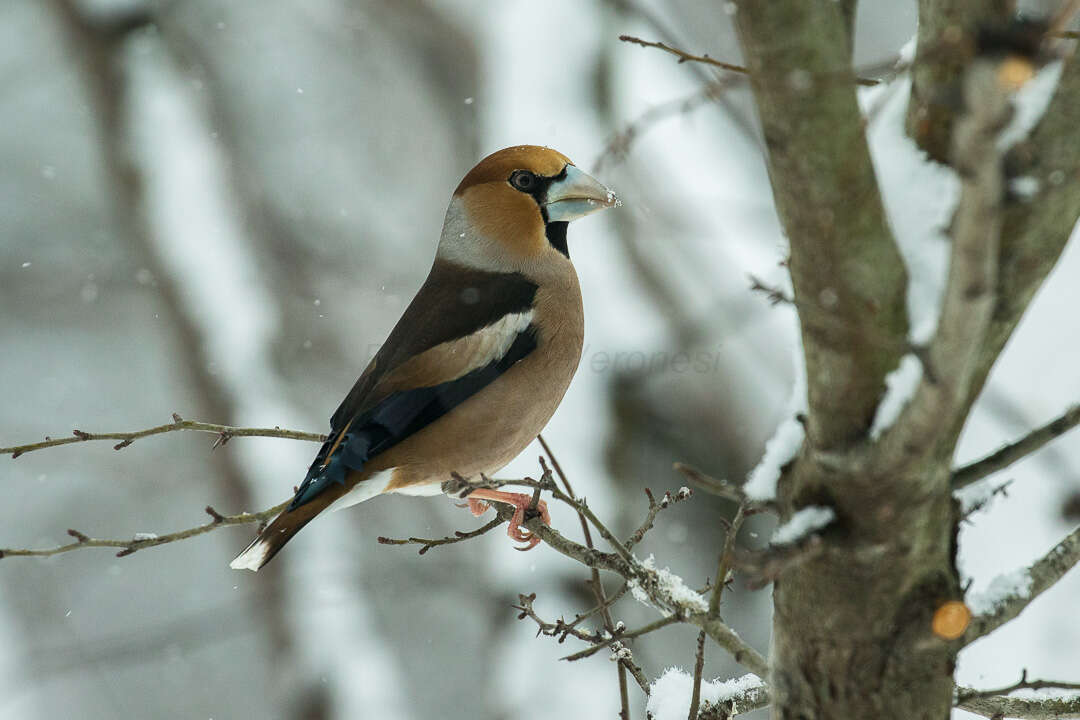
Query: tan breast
x=491, y=428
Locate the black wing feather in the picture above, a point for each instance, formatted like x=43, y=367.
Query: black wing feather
x=400, y=415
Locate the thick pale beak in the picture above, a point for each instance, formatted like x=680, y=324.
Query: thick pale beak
x=576, y=196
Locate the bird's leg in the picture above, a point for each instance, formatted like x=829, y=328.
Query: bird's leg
x=521, y=502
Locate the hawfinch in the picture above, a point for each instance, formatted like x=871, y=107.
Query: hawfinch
x=478, y=362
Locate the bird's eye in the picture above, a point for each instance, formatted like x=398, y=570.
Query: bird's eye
x=523, y=180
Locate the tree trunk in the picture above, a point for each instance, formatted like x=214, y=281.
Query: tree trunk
x=852, y=627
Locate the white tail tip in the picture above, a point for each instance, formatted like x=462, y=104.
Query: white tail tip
x=253, y=558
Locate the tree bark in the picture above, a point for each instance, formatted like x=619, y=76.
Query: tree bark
x=848, y=275
x=852, y=627
x=947, y=30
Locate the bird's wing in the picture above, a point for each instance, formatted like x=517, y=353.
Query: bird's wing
x=463, y=329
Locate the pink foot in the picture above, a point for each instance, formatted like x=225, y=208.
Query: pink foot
x=476, y=507
x=520, y=502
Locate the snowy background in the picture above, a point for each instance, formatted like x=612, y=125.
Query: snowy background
x=293, y=161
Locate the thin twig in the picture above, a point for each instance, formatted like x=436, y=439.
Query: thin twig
x=608, y=602
x=224, y=432
x=724, y=489
x=688, y=57
x=996, y=703
x=775, y=296
x=752, y=698
x=140, y=541
x=685, y=56
x=966, y=511
x=1013, y=452
x=559, y=629
x=968, y=303
x=625, y=635
x=582, y=507
x=638, y=675
x=727, y=559
x=699, y=666
x=655, y=507
x=618, y=146
x=710, y=484
x=965, y=694
x=723, y=635
x=596, y=583
x=457, y=537
x=1043, y=708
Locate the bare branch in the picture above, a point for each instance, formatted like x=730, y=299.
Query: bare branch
x=968, y=303
x=685, y=56
x=727, y=559
x=753, y=698
x=996, y=704
x=637, y=673
x=559, y=629
x=140, y=541
x=1035, y=233
x=655, y=507
x=699, y=665
x=716, y=629
x=224, y=433
x=965, y=694
x=623, y=634
x=774, y=295
x=688, y=57
x=597, y=586
x=1013, y=452
x=842, y=249
x=722, y=488
x=1024, y=708
x=457, y=537
x=1043, y=573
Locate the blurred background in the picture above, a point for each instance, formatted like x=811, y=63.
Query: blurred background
x=219, y=209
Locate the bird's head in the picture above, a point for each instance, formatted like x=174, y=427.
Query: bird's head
x=510, y=212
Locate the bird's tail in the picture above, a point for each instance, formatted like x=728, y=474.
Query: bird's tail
x=274, y=536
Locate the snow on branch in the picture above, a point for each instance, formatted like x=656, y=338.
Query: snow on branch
x=1051, y=708
x=658, y=586
x=803, y=523
x=967, y=305
x=998, y=704
x=1016, y=451
x=1011, y=593
x=670, y=696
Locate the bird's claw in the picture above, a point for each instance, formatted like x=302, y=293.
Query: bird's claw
x=476, y=507
x=480, y=500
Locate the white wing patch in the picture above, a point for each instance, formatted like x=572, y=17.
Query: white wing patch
x=492, y=342
x=486, y=345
